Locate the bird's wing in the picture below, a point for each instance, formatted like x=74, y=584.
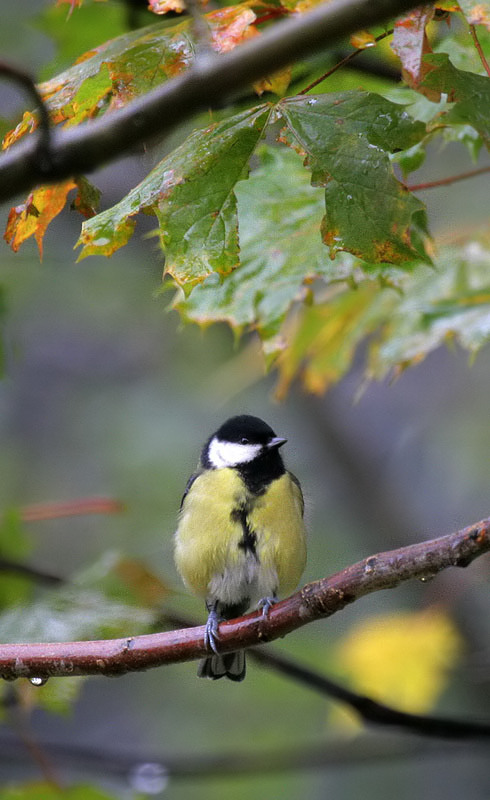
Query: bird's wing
x=188, y=486
x=297, y=489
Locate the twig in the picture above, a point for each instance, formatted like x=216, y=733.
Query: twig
x=71, y=508
x=24, y=80
x=418, y=187
x=343, y=62
x=315, y=601
x=478, y=46
x=20, y=723
x=209, y=83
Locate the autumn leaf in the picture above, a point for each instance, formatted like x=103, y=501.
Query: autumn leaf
x=411, y=44
x=322, y=339
x=33, y=217
x=402, y=659
x=362, y=39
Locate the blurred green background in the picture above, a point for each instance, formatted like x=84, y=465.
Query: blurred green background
x=106, y=394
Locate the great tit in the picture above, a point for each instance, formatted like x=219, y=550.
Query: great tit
x=241, y=535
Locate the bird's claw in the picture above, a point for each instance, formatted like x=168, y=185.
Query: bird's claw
x=211, y=633
x=266, y=604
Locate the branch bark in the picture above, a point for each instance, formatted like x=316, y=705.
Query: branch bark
x=211, y=82
x=315, y=601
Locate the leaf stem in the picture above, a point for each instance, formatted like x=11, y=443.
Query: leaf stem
x=418, y=187
x=343, y=62
x=480, y=50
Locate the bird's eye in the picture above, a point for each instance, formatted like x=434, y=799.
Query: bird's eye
x=244, y=440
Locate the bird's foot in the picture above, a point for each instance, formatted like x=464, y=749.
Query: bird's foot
x=266, y=604
x=211, y=633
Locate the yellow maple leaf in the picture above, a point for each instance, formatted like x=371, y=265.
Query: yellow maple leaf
x=402, y=659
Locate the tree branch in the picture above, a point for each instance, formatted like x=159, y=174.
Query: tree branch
x=315, y=601
x=211, y=82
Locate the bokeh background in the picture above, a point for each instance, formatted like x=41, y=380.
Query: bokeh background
x=106, y=394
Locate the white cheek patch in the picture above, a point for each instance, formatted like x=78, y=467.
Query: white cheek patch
x=229, y=454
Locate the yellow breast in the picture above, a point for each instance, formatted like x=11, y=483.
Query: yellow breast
x=207, y=542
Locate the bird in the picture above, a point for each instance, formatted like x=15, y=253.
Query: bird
x=241, y=536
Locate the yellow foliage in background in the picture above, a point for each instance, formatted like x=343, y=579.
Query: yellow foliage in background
x=402, y=659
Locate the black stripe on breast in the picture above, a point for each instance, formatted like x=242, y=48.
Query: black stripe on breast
x=248, y=541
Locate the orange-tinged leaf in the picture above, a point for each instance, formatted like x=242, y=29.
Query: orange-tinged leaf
x=235, y=30
x=33, y=217
x=164, y=6
x=402, y=658
x=147, y=587
x=28, y=124
x=362, y=39
x=411, y=44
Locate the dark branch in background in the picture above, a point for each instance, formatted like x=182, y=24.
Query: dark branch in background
x=43, y=136
x=358, y=751
x=369, y=710
x=209, y=83
x=34, y=574
x=315, y=601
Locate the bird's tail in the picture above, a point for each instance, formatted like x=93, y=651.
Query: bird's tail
x=228, y=665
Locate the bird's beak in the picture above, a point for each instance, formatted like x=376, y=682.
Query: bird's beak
x=276, y=442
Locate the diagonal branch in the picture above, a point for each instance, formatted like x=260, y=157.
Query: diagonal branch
x=315, y=601
x=210, y=83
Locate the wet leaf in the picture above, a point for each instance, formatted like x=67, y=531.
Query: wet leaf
x=281, y=250
x=469, y=92
x=192, y=193
x=347, y=138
